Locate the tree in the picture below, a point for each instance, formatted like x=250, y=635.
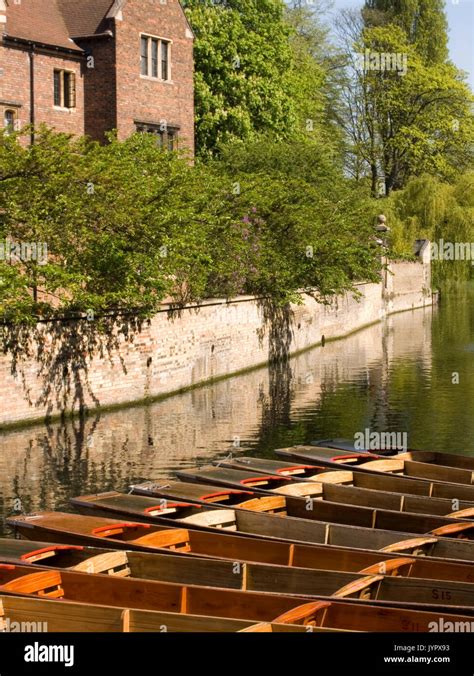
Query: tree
x=404, y=120
x=431, y=209
x=314, y=89
x=127, y=225
x=243, y=61
x=422, y=21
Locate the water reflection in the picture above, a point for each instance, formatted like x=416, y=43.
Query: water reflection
x=394, y=376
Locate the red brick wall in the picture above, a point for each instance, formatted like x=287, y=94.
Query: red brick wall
x=15, y=87
x=15, y=82
x=100, y=87
x=150, y=100
x=112, y=94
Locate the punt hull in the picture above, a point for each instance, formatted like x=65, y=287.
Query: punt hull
x=133, y=593
x=221, y=572
x=83, y=530
x=360, y=462
x=432, y=457
x=302, y=524
x=25, y=614
x=343, y=487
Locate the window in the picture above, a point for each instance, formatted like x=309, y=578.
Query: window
x=164, y=60
x=9, y=120
x=144, y=56
x=166, y=136
x=64, y=89
x=155, y=57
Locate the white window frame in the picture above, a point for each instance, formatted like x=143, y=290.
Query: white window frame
x=160, y=40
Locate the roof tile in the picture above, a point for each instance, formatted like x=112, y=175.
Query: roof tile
x=55, y=22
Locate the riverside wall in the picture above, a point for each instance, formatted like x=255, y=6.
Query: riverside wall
x=66, y=367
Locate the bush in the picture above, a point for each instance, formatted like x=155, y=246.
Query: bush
x=127, y=225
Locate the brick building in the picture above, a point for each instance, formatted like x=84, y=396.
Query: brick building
x=89, y=66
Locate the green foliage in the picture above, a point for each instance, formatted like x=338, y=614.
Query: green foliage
x=414, y=116
x=423, y=120
x=313, y=93
x=423, y=22
x=128, y=225
x=317, y=234
x=429, y=208
x=243, y=62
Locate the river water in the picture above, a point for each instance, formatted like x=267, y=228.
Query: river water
x=413, y=373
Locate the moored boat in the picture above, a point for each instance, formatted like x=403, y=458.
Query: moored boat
x=395, y=465
x=24, y=614
x=221, y=572
x=432, y=457
x=306, y=505
x=133, y=593
x=343, y=486
x=309, y=515
x=77, y=529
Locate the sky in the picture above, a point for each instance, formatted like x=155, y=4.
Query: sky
x=460, y=14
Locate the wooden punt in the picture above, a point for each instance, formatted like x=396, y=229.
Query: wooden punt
x=390, y=483
x=318, y=614
x=26, y=614
x=140, y=594
x=395, y=465
x=78, y=617
x=88, y=530
x=342, y=486
x=211, y=517
x=431, y=457
x=326, y=511
x=222, y=572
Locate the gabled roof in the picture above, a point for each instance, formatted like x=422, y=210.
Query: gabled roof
x=84, y=17
x=59, y=22
x=39, y=21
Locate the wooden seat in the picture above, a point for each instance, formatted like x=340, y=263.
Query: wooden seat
x=365, y=588
x=112, y=563
x=174, y=539
x=47, y=583
x=335, y=477
x=308, y=614
x=389, y=567
x=269, y=504
x=387, y=465
x=415, y=546
x=217, y=518
x=305, y=489
x=457, y=530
